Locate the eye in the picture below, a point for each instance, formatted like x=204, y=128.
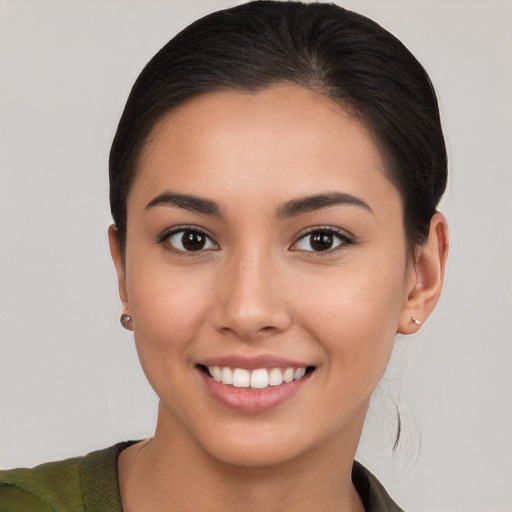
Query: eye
x=322, y=240
x=189, y=240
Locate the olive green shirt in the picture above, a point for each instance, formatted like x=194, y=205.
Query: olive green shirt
x=89, y=484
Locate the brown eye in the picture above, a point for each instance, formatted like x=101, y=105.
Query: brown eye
x=193, y=241
x=190, y=240
x=321, y=240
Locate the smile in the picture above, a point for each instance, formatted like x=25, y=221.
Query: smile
x=259, y=378
x=253, y=385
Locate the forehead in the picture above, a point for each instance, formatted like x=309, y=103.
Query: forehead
x=286, y=137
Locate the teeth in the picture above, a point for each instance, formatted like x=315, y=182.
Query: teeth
x=241, y=378
x=227, y=375
x=215, y=372
x=299, y=373
x=275, y=377
x=257, y=379
x=288, y=374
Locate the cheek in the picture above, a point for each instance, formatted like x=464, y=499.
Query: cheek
x=169, y=309
x=354, y=314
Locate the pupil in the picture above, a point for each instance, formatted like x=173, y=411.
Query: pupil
x=193, y=241
x=321, y=241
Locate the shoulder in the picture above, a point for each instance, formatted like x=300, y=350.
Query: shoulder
x=51, y=486
x=78, y=484
x=373, y=495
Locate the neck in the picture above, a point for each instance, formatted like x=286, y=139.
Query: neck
x=172, y=472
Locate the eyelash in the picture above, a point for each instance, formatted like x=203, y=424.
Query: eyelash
x=164, y=240
x=343, y=238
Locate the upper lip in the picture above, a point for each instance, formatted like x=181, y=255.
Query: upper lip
x=254, y=362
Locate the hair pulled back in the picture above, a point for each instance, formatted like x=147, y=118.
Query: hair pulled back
x=335, y=52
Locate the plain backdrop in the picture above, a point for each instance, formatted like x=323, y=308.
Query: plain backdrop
x=70, y=381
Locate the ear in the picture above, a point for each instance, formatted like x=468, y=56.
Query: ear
x=118, y=259
x=425, y=277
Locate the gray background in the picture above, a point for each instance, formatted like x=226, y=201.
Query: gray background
x=69, y=377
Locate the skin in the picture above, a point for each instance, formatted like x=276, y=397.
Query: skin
x=258, y=288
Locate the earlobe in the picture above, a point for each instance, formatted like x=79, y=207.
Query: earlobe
x=425, y=279
x=118, y=260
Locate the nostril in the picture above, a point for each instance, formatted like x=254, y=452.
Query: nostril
x=249, y=318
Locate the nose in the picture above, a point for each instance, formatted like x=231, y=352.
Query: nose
x=251, y=298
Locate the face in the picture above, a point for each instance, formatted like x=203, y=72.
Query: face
x=265, y=272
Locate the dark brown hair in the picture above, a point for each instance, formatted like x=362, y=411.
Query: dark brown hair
x=338, y=53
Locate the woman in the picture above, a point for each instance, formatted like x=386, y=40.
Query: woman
x=274, y=183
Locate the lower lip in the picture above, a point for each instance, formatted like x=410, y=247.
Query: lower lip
x=252, y=400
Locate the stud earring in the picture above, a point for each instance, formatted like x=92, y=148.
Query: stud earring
x=125, y=320
x=415, y=321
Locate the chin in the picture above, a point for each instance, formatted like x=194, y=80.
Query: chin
x=247, y=453
x=269, y=443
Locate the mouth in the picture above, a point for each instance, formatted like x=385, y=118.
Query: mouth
x=254, y=384
x=256, y=379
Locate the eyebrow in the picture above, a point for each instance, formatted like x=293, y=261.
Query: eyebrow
x=291, y=208
x=194, y=204
x=316, y=202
